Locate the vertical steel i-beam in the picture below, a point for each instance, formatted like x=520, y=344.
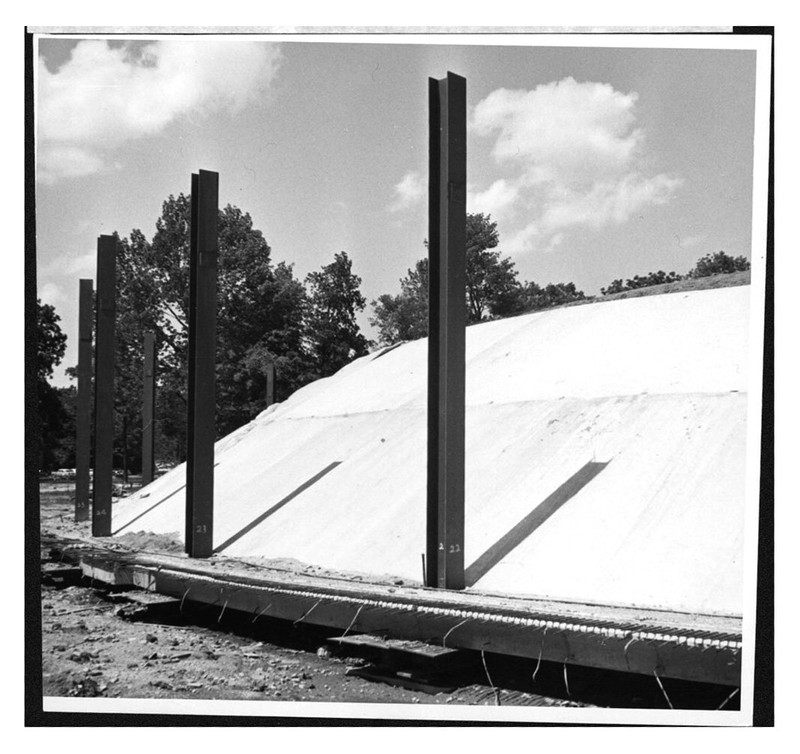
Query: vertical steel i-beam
x=447, y=321
x=103, y=482
x=148, y=408
x=83, y=408
x=202, y=350
x=190, y=360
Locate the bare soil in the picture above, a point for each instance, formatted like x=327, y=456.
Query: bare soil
x=97, y=642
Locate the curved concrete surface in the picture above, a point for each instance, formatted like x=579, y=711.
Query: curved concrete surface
x=605, y=461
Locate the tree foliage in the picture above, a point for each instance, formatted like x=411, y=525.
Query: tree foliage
x=264, y=315
x=710, y=264
x=51, y=343
x=714, y=264
x=404, y=316
x=334, y=299
x=641, y=281
x=493, y=290
x=553, y=294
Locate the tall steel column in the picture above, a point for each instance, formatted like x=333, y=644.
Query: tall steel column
x=447, y=216
x=104, y=386
x=202, y=350
x=148, y=408
x=83, y=409
x=189, y=529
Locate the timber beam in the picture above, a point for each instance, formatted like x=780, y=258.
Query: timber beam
x=703, y=648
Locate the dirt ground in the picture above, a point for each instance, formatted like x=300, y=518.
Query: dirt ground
x=91, y=649
x=96, y=641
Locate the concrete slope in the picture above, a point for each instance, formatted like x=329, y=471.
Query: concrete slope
x=605, y=459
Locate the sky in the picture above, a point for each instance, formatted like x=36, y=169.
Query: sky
x=596, y=162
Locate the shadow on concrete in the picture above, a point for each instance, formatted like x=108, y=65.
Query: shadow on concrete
x=154, y=505
x=532, y=521
x=255, y=522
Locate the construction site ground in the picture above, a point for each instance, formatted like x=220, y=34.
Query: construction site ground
x=97, y=643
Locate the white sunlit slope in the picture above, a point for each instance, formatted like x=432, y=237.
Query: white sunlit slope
x=649, y=393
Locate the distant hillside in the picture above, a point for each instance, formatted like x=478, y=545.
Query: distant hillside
x=724, y=280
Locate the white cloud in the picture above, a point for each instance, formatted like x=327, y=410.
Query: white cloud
x=409, y=191
x=85, y=264
x=50, y=293
x=497, y=200
x=607, y=202
x=56, y=161
x=565, y=131
x=104, y=97
x=574, y=154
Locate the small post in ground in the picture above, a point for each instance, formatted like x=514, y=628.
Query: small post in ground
x=270, y=370
x=148, y=408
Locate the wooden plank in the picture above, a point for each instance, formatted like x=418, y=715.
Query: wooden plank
x=466, y=621
x=400, y=646
x=59, y=573
x=404, y=680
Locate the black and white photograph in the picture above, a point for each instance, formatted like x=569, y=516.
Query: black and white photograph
x=400, y=375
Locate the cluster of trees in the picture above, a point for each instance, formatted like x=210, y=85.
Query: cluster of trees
x=306, y=328
x=711, y=264
x=265, y=314
x=493, y=290
x=55, y=420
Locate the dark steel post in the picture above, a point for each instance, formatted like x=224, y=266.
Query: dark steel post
x=434, y=169
x=202, y=339
x=447, y=320
x=190, y=377
x=148, y=408
x=270, y=384
x=83, y=408
x=103, y=483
